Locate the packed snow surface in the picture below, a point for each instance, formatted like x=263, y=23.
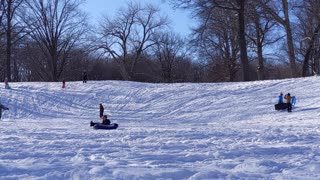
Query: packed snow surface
x=166, y=131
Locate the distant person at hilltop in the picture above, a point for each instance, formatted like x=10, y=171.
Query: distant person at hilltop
x=6, y=84
x=85, y=77
x=63, y=84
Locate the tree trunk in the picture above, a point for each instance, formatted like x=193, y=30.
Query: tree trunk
x=9, y=39
x=261, y=70
x=289, y=40
x=242, y=42
x=259, y=37
x=308, y=52
x=123, y=71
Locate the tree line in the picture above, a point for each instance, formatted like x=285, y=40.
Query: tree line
x=234, y=40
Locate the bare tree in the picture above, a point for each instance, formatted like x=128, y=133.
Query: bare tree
x=219, y=43
x=129, y=34
x=260, y=32
x=168, y=48
x=2, y=12
x=275, y=9
x=14, y=32
x=308, y=13
x=238, y=6
x=217, y=40
x=56, y=26
x=2, y=32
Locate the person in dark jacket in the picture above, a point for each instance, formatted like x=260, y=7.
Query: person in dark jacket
x=2, y=107
x=101, y=110
x=288, y=98
x=63, y=84
x=105, y=120
x=6, y=84
x=85, y=77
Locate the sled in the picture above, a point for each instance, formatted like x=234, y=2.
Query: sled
x=281, y=106
x=104, y=126
x=293, y=101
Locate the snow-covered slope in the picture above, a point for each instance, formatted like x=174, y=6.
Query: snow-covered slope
x=167, y=131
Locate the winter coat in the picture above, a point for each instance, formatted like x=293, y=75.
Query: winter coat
x=288, y=98
x=280, y=99
x=101, y=110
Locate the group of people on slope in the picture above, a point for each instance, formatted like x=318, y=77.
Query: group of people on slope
x=289, y=100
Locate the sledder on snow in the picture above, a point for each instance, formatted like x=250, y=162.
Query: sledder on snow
x=290, y=102
x=106, y=123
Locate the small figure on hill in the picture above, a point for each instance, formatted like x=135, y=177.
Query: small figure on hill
x=85, y=77
x=288, y=98
x=280, y=98
x=2, y=107
x=63, y=84
x=6, y=84
x=101, y=110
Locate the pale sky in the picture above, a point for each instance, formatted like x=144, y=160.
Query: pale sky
x=181, y=19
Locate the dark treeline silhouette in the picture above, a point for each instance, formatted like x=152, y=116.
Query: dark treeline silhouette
x=233, y=41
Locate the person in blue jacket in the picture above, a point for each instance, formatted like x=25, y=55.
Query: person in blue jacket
x=280, y=98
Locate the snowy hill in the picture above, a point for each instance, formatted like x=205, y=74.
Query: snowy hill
x=167, y=131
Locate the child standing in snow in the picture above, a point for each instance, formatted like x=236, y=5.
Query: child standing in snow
x=101, y=110
x=2, y=107
x=280, y=98
x=288, y=98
